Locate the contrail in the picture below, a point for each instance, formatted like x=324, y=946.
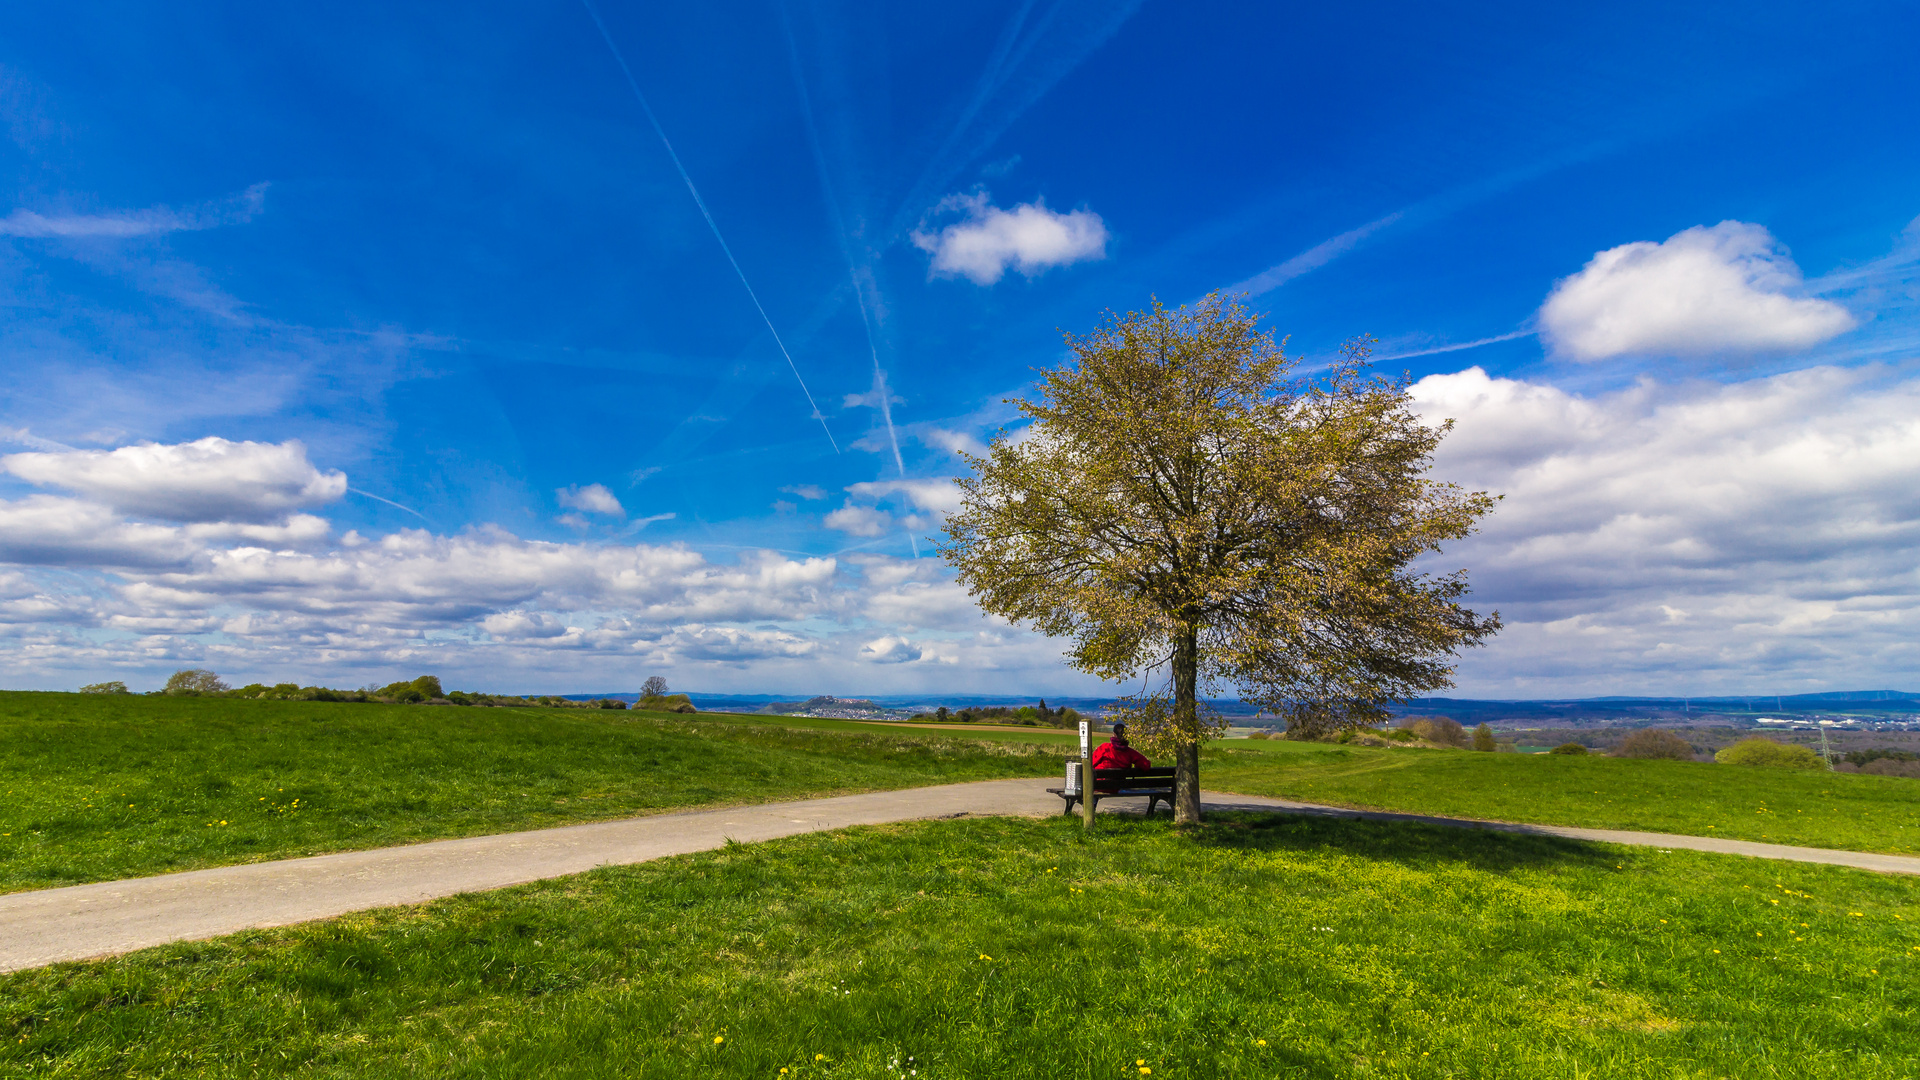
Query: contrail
x=634, y=85
x=855, y=268
x=1456, y=348
x=859, y=273
x=393, y=504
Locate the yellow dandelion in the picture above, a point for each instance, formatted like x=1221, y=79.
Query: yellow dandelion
x=718, y=1039
x=819, y=1057
x=1141, y=1061
x=1262, y=1042
x=984, y=956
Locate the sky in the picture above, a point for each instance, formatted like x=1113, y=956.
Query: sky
x=546, y=347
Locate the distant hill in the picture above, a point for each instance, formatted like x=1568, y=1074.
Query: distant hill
x=1466, y=710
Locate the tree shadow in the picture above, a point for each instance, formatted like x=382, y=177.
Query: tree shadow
x=1401, y=838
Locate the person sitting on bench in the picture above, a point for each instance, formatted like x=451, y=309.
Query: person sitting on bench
x=1116, y=754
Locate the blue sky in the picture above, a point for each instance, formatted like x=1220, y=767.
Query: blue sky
x=350, y=343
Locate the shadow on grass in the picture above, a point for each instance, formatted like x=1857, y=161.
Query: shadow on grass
x=1407, y=842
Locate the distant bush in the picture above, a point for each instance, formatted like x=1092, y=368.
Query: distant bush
x=1400, y=734
x=1654, y=743
x=1768, y=753
x=673, y=703
x=114, y=687
x=1887, y=766
x=1569, y=748
x=1483, y=739
x=194, y=682
x=1443, y=730
x=611, y=703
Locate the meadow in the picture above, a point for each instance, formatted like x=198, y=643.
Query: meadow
x=1251, y=947
x=95, y=787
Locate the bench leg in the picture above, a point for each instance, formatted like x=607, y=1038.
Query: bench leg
x=1069, y=809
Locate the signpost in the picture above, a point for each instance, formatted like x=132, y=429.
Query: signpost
x=1086, y=775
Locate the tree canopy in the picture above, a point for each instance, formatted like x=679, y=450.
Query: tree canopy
x=1182, y=504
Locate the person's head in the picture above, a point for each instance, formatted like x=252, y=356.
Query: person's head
x=1120, y=734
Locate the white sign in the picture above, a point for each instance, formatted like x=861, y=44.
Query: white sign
x=1085, y=743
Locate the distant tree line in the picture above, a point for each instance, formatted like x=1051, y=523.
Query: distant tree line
x=425, y=690
x=1025, y=715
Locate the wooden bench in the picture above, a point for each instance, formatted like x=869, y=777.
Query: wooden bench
x=1155, y=784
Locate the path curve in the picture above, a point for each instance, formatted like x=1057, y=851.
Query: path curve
x=86, y=921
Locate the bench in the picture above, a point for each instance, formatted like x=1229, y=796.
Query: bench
x=1155, y=784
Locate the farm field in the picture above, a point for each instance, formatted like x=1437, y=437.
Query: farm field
x=95, y=788
x=1813, y=808
x=1252, y=947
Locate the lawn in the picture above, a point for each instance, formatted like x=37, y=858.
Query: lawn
x=94, y=788
x=1010, y=948
x=1780, y=806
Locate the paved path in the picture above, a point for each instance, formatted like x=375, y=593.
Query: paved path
x=84, y=921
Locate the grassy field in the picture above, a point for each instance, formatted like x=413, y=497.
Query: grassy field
x=1780, y=806
x=1253, y=947
x=94, y=788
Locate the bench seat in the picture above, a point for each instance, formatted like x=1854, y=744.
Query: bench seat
x=1155, y=784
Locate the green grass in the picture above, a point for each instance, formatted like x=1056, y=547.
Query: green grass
x=1013, y=948
x=1780, y=806
x=97, y=788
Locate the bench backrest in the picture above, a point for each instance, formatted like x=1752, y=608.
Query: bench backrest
x=1157, y=774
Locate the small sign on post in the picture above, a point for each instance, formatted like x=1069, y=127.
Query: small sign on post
x=1086, y=774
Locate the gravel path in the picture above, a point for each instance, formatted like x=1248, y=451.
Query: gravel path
x=85, y=921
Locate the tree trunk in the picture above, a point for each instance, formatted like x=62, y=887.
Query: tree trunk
x=1186, y=755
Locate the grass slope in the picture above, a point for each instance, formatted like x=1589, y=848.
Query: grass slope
x=1253, y=947
x=97, y=788
x=1848, y=811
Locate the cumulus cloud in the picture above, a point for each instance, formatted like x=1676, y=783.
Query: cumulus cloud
x=1029, y=238
x=1721, y=289
x=890, y=650
x=593, y=498
x=1690, y=538
x=860, y=520
x=211, y=480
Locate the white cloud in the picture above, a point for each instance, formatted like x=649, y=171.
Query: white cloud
x=806, y=491
x=890, y=650
x=1029, y=238
x=123, y=224
x=860, y=520
x=939, y=496
x=1687, y=539
x=518, y=625
x=1724, y=289
x=593, y=498
x=953, y=442
x=211, y=480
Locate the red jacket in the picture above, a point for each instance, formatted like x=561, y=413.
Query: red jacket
x=1109, y=756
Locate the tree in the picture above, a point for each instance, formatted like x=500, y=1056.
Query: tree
x=1180, y=506
x=112, y=687
x=655, y=686
x=1483, y=739
x=1654, y=743
x=192, y=682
